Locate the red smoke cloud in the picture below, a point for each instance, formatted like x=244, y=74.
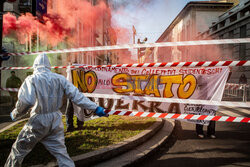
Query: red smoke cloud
x=64, y=19
x=9, y=23
x=52, y=31
x=76, y=22
x=60, y=22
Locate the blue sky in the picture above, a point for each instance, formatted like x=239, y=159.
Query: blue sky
x=150, y=17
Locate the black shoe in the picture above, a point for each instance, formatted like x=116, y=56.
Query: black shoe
x=70, y=129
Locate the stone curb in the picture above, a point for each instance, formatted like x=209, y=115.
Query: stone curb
x=138, y=154
x=150, y=150
x=111, y=151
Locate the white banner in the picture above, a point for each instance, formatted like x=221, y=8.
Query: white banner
x=204, y=83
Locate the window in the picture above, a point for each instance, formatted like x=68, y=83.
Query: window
x=233, y=18
x=214, y=28
x=222, y=24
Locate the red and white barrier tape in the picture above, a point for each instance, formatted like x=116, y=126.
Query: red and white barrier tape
x=163, y=100
x=233, y=86
x=10, y=89
x=170, y=64
x=180, y=116
x=135, y=46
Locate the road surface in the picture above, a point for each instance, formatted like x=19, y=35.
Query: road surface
x=230, y=148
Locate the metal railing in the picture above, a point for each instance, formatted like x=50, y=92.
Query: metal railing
x=233, y=90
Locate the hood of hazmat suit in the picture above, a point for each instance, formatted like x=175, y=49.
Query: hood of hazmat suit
x=43, y=92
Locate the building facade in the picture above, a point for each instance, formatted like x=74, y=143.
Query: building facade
x=194, y=18
x=234, y=23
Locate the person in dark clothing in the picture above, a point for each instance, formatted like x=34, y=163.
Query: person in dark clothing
x=13, y=82
x=210, y=130
x=202, y=84
x=243, y=79
x=69, y=118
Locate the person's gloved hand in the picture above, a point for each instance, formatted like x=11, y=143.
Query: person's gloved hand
x=101, y=112
x=13, y=115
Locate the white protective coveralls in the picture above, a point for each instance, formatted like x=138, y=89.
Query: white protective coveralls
x=44, y=91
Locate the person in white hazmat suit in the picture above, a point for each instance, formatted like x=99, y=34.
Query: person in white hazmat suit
x=43, y=92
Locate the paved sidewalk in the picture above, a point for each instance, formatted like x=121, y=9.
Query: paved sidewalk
x=5, y=109
x=7, y=125
x=5, y=120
